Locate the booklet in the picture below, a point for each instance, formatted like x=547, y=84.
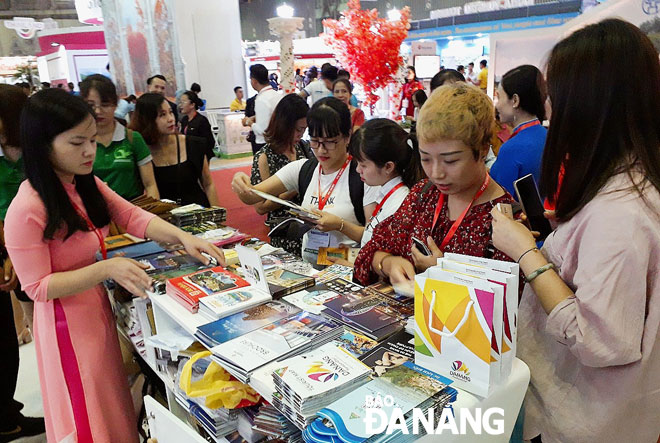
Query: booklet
x=227, y=303
x=278, y=340
x=225, y=329
x=299, y=209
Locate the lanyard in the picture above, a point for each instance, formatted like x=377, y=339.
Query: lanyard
x=525, y=126
x=323, y=199
x=90, y=225
x=382, y=202
x=459, y=220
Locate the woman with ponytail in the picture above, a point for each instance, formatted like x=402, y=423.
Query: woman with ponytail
x=195, y=124
x=520, y=101
x=387, y=156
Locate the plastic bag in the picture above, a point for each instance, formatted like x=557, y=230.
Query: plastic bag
x=202, y=377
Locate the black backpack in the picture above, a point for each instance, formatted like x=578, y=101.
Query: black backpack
x=355, y=185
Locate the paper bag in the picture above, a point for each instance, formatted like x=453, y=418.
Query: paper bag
x=454, y=328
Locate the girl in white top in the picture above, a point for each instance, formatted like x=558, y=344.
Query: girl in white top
x=328, y=193
x=387, y=157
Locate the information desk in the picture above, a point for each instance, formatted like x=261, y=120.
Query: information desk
x=169, y=315
x=229, y=133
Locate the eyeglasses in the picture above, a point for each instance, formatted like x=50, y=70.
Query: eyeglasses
x=103, y=106
x=329, y=145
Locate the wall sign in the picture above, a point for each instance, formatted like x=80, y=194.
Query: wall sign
x=27, y=27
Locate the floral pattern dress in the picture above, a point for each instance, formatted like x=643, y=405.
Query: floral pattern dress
x=414, y=219
x=275, y=163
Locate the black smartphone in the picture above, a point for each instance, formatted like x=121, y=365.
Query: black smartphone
x=532, y=205
x=421, y=246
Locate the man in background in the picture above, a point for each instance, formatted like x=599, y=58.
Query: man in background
x=157, y=84
x=482, y=78
x=461, y=69
x=237, y=104
x=471, y=76
x=264, y=104
x=321, y=89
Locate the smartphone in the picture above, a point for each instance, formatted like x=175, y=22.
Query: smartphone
x=421, y=246
x=532, y=205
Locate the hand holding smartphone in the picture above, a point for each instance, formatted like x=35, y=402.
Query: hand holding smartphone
x=421, y=246
x=530, y=200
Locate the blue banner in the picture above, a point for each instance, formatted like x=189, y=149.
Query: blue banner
x=515, y=24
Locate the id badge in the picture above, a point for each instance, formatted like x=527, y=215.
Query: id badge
x=317, y=239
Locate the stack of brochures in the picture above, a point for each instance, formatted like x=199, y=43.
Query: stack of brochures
x=223, y=304
x=217, y=422
x=309, y=382
x=362, y=310
x=270, y=422
x=279, y=340
x=195, y=214
x=189, y=289
x=220, y=331
x=395, y=374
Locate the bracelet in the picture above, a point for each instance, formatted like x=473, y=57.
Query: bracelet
x=524, y=253
x=341, y=228
x=380, y=265
x=539, y=271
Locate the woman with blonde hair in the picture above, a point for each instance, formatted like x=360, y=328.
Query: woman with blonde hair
x=450, y=210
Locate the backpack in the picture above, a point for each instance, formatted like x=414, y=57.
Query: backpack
x=355, y=185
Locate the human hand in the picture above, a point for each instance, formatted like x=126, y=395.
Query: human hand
x=423, y=262
x=195, y=246
x=510, y=237
x=128, y=273
x=340, y=261
x=10, y=281
x=328, y=222
x=398, y=269
x=240, y=184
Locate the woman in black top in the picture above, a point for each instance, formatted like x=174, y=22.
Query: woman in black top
x=180, y=166
x=283, y=145
x=194, y=123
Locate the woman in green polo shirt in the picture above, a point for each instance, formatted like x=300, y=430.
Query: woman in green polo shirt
x=123, y=159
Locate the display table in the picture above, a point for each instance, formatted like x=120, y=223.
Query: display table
x=169, y=315
x=229, y=132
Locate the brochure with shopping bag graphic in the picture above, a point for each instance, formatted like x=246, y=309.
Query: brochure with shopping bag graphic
x=456, y=317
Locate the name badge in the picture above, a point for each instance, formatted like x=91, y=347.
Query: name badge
x=317, y=239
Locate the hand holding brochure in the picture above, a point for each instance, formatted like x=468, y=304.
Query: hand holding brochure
x=299, y=209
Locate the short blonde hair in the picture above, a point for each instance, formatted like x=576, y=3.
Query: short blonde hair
x=458, y=111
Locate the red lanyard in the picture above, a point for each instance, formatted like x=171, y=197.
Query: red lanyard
x=324, y=199
x=525, y=126
x=97, y=231
x=459, y=220
x=382, y=202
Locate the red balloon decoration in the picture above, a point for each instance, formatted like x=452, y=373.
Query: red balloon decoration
x=367, y=45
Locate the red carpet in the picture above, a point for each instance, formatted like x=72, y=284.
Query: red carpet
x=239, y=216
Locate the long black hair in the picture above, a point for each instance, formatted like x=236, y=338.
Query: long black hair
x=47, y=114
x=527, y=82
x=605, y=114
x=329, y=117
x=381, y=140
x=282, y=126
x=144, y=118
